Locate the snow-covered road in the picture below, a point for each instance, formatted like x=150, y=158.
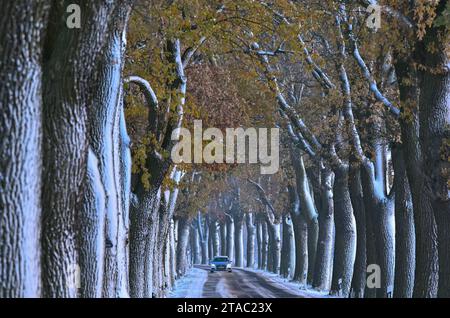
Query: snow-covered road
x=241, y=283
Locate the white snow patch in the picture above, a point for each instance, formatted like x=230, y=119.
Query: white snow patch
x=190, y=285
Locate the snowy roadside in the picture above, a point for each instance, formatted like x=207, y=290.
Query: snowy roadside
x=190, y=285
x=289, y=285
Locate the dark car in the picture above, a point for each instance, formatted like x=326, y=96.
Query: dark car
x=220, y=263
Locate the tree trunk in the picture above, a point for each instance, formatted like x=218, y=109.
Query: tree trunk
x=250, y=240
x=259, y=241
x=426, y=272
x=91, y=232
x=313, y=236
x=104, y=132
x=184, y=224
x=286, y=247
x=223, y=239
x=434, y=119
x=345, y=235
x=405, y=239
x=265, y=245
x=360, y=269
x=275, y=246
x=140, y=224
x=324, y=257
x=215, y=237
x=195, y=246
x=239, y=238
x=230, y=237
x=23, y=25
x=68, y=79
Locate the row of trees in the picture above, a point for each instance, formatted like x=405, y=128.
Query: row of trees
x=92, y=206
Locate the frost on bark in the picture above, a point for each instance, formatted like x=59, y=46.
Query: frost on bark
x=324, y=256
x=287, y=247
x=184, y=224
x=251, y=232
x=356, y=196
x=23, y=25
x=68, y=78
x=345, y=235
x=434, y=120
x=405, y=239
x=91, y=232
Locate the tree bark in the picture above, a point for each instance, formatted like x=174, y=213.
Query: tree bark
x=69, y=75
x=434, y=119
x=345, y=235
x=91, y=232
x=23, y=24
x=360, y=269
x=286, y=247
x=405, y=239
x=251, y=229
x=239, y=238
x=230, y=237
x=324, y=257
x=184, y=224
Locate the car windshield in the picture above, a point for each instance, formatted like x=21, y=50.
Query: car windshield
x=220, y=259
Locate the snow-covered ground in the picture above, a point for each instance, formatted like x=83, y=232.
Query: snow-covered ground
x=190, y=285
x=288, y=284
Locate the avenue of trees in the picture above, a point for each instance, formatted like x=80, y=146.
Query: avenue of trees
x=91, y=204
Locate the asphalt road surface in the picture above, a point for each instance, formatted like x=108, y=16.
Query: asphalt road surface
x=245, y=284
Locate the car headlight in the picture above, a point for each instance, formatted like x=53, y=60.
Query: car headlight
x=228, y=265
x=213, y=265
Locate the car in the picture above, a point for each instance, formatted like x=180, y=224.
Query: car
x=220, y=263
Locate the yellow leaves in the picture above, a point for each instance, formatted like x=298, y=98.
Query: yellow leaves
x=424, y=14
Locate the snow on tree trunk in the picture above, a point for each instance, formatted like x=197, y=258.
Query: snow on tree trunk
x=215, y=237
x=324, y=257
x=184, y=224
x=230, y=237
x=23, y=23
x=405, y=239
x=265, y=245
x=345, y=235
x=286, y=247
x=91, y=239
x=360, y=268
x=434, y=119
x=259, y=242
x=275, y=246
x=223, y=238
x=68, y=79
x=250, y=239
x=239, y=238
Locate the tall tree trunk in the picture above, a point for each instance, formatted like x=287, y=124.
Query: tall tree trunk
x=23, y=24
x=184, y=224
x=286, y=247
x=223, y=238
x=239, y=238
x=195, y=246
x=380, y=216
x=104, y=132
x=324, y=257
x=360, y=269
x=140, y=223
x=313, y=236
x=265, y=245
x=426, y=272
x=405, y=239
x=230, y=237
x=69, y=75
x=215, y=237
x=434, y=119
x=345, y=235
x=250, y=239
x=259, y=241
x=91, y=232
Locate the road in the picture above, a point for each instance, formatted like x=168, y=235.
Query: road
x=245, y=284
